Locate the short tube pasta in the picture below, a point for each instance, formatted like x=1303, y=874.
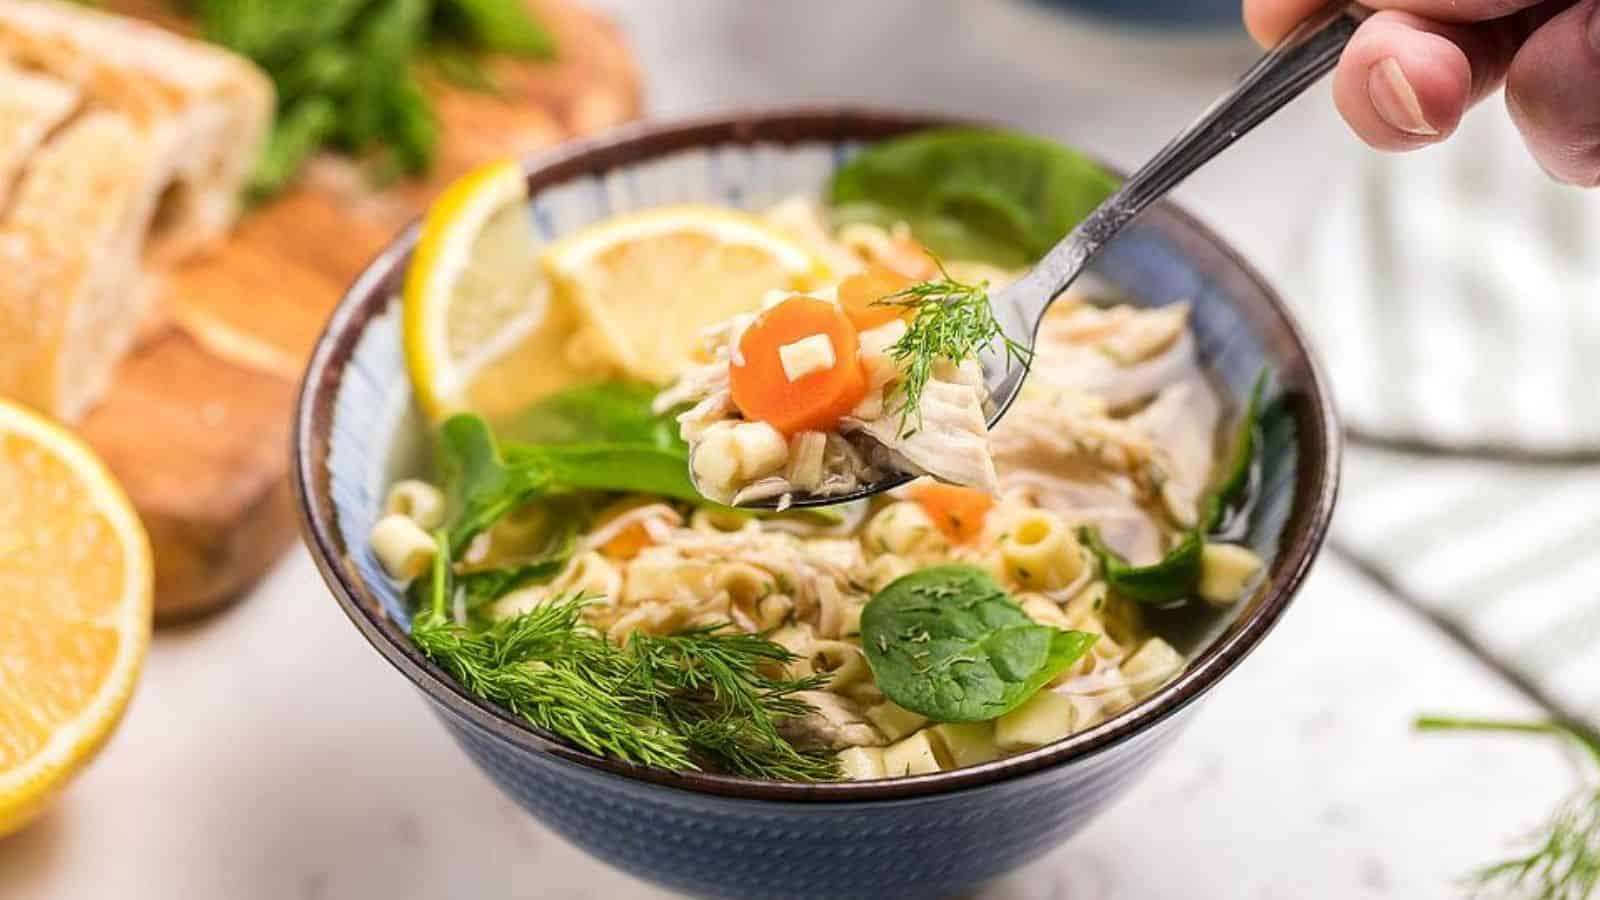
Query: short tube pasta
x=1151, y=666
x=904, y=528
x=1226, y=570
x=418, y=501
x=843, y=662
x=915, y=755
x=1040, y=552
x=861, y=763
x=403, y=549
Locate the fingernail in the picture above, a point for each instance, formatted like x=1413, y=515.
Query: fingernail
x=1395, y=100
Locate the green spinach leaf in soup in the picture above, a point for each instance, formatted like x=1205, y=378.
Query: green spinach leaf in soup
x=1234, y=474
x=978, y=194
x=479, y=482
x=607, y=412
x=1174, y=577
x=620, y=468
x=596, y=437
x=947, y=643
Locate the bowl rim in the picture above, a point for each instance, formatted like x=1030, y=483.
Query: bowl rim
x=1317, y=427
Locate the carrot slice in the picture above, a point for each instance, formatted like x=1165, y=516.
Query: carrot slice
x=814, y=402
x=958, y=511
x=859, y=293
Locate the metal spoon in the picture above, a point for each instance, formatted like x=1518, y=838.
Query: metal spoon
x=1308, y=53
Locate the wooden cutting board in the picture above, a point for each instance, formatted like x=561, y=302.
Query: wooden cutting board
x=197, y=424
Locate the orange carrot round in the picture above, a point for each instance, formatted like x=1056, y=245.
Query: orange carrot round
x=814, y=402
x=859, y=293
x=958, y=511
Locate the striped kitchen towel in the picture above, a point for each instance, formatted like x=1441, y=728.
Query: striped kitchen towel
x=1455, y=296
x=1457, y=293
x=1507, y=554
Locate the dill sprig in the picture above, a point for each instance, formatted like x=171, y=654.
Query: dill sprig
x=1562, y=860
x=712, y=686
x=954, y=322
x=701, y=699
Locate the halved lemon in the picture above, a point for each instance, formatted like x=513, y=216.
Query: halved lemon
x=649, y=283
x=75, y=622
x=474, y=291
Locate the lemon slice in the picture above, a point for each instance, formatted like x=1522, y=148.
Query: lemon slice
x=75, y=622
x=649, y=283
x=474, y=291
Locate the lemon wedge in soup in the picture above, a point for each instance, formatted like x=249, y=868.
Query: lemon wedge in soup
x=647, y=284
x=481, y=326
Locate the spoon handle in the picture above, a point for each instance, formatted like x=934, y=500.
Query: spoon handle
x=1307, y=54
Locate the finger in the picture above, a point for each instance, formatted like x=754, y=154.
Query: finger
x=1553, y=93
x=1269, y=20
x=1405, y=81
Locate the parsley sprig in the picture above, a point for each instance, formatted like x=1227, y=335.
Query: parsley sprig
x=347, y=71
x=954, y=322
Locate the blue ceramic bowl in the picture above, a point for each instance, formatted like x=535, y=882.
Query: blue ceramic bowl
x=1214, y=14
x=711, y=835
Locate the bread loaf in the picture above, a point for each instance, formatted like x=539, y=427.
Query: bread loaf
x=122, y=147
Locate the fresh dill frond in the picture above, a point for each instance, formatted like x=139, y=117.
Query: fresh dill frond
x=954, y=323
x=547, y=668
x=718, y=690
x=710, y=698
x=1562, y=860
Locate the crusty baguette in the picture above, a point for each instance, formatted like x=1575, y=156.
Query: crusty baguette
x=31, y=107
x=207, y=110
x=147, y=139
x=69, y=264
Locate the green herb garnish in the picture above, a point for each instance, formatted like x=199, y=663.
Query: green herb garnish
x=1562, y=860
x=346, y=71
x=685, y=701
x=954, y=322
x=947, y=643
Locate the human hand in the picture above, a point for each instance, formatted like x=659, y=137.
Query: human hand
x=1415, y=67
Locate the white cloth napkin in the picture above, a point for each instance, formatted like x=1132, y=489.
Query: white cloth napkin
x=1455, y=295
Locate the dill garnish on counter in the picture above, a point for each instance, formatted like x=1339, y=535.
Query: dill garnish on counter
x=1561, y=861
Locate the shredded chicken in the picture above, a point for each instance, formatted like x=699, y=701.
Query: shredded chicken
x=951, y=439
x=834, y=723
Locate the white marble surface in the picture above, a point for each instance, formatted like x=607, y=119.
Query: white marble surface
x=271, y=754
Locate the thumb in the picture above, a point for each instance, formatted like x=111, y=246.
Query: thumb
x=1553, y=94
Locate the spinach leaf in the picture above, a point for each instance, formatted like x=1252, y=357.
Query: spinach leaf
x=481, y=485
x=947, y=643
x=610, y=412
x=487, y=480
x=1235, y=471
x=1175, y=577
x=997, y=196
x=479, y=589
x=634, y=469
